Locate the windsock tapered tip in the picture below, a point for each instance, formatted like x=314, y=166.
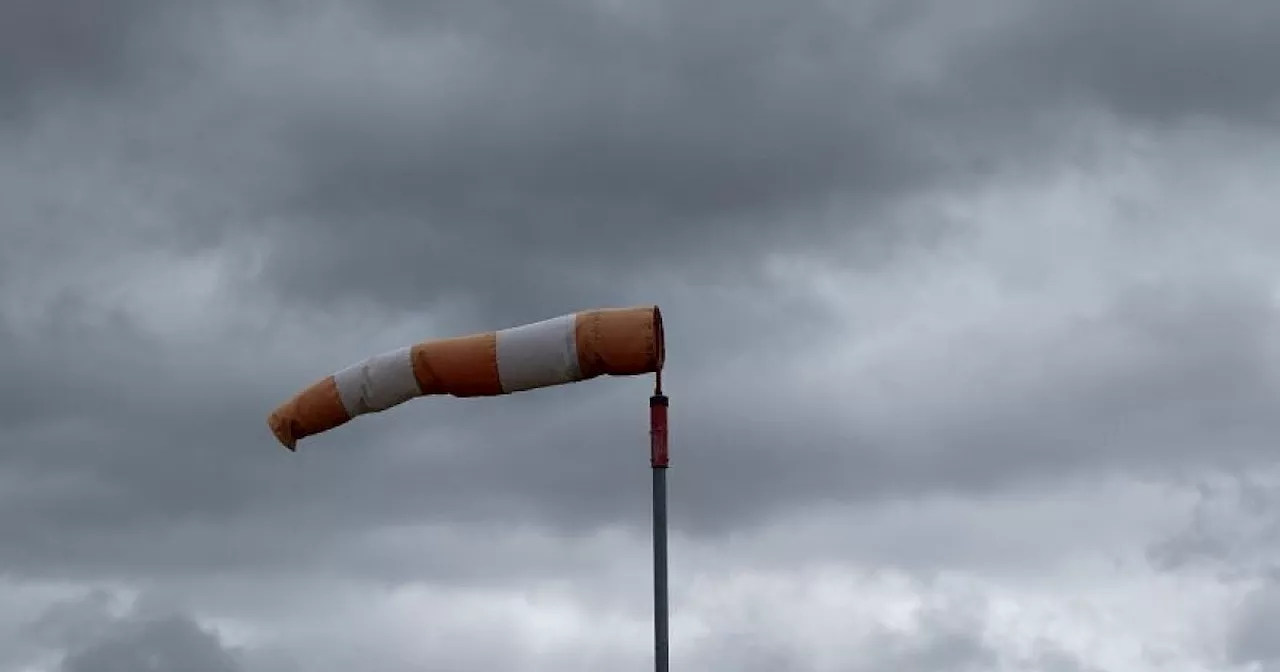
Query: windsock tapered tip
x=315, y=409
x=280, y=428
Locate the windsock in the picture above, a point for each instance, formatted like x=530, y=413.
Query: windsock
x=566, y=349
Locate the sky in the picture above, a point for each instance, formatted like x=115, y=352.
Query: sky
x=972, y=311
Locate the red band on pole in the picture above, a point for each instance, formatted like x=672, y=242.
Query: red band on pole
x=658, y=456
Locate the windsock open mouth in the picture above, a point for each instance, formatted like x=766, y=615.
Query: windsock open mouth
x=557, y=351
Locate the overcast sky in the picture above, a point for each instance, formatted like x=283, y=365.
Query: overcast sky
x=973, y=318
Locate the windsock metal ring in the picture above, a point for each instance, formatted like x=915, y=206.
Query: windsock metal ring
x=566, y=349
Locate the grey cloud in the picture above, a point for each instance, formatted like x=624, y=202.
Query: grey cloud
x=98, y=635
x=82, y=50
x=508, y=155
x=167, y=644
x=576, y=142
x=698, y=140
x=1050, y=658
x=945, y=642
x=1129, y=393
x=949, y=637
x=490, y=164
x=79, y=621
x=1234, y=529
x=1163, y=63
x=63, y=39
x=1253, y=639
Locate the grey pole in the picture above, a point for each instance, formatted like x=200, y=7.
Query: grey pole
x=659, y=460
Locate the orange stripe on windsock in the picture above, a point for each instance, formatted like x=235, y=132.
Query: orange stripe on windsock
x=566, y=349
x=466, y=366
x=619, y=341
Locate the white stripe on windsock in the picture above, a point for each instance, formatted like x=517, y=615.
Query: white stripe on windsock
x=539, y=354
x=377, y=383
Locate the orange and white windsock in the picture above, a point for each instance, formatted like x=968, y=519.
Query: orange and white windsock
x=566, y=349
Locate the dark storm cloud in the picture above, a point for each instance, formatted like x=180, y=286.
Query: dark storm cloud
x=570, y=134
x=83, y=49
x=82, y=41
x=444, y=149
x=692, y=137
x=1164, y=62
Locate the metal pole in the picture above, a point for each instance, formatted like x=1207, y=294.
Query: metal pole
x=658, y=460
